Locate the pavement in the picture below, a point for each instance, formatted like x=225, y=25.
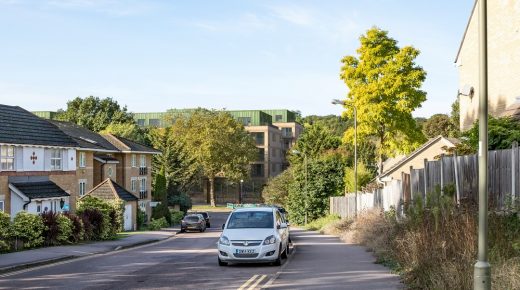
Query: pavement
x=41, y=256
x=326, y=262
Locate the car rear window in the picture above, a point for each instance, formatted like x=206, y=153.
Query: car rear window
x=251, y=219
x=191, y=219
x=204, y=214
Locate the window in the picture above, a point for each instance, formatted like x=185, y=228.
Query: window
x=261, y=154
x=246, y=121
x=82, y=187
x=7, y=157
x=39, y=207
x=140, y=122
x=2, y=205
x=143, y=161
x=55, y=159
x=273, y=168
x=82, y=159
x=278, y=118
x=133, y=184
x=258, y=137
x=251, y=220
x=142, y=191
x=154, y=122
x=257, y=170
x=287, y=132
x=134, y=160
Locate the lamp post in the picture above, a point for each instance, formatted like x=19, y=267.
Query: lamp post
x=343, y=103
x=240, y=193
x=305, y=165
x=482, y=269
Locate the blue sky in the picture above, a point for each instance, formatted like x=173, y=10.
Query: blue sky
x=155, y=55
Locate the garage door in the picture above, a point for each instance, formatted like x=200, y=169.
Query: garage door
x=128, y=217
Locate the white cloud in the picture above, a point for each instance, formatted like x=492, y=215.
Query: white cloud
x=294, y=14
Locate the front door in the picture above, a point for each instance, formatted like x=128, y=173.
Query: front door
x=128, y=217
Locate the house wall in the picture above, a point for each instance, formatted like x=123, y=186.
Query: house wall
x=4, y=193
x=418, y=161
x=503, y=61
x=16, y=204
x=84, y=173
x=69, y=183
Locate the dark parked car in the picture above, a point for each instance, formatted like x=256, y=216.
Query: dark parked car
x=206, y=218
x=193, y=222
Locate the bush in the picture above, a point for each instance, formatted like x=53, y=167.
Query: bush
x=140, y=219
x=28, y=228
x=95, y=224
x=111, y=211
x=161, y=211
x=64, y=229
x=319, y=224
x=181, y=199
x=157, y=224
x=51, y=232
x=176, y=217
x=78, y=230
x=5, y=232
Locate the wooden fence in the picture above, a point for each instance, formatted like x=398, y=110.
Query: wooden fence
x=457, y=174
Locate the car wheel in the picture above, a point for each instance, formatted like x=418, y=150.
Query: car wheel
x=209, y=225
x=183, y=231
x=201, y=230
x=285, y=253
x=220, y=263
x=278, y=260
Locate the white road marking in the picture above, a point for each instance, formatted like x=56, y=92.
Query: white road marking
x=275, y=276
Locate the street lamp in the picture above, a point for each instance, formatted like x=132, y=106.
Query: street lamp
x=240, y=193
x=343, y=103
x=306, y=189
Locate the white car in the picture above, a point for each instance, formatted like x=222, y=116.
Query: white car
x=254, y=235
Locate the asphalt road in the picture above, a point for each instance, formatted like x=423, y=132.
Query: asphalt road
x=187, y=261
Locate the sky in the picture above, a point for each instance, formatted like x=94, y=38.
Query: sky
x=242, y=54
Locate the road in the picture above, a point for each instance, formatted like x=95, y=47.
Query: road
x=187, y=261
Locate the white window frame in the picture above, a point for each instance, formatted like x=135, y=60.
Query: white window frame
x=5, y=156
x=39, y=206
x=142, y=184
x=82, y=183
x=142, y=161
x=2, y=205
x=56, y=159
x=133, y=184
x=82, y=159
x=134, y=160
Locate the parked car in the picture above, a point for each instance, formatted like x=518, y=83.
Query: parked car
x=206, y=218
x=253, y=235
x=193, y=222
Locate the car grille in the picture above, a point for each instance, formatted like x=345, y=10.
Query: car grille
x=246, y=255
x=246, y=243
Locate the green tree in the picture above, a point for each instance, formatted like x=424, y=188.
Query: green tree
x=335, y=124
x=94, y=113
x=384, y=85
x=128, y=130
x=277, y=188
x=455, y=118
x=364, y=177
x=439, y=124
x=314, y=141
x=219, y=144
x=502, y=132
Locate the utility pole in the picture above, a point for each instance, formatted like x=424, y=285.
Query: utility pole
x=482, y=270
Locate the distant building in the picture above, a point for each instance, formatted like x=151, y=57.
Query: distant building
x=503, y=63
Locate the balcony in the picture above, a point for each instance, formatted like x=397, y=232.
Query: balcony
x=143, y=170
x=143, y=194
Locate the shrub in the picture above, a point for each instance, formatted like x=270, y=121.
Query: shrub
x=176, y=217
x=64, y=229
x=112, y=212
x=140, y=219
x=161, y=211
x=5, y=232
x=319, y=224
x=51, y=232
x=28, y=228
x=88, y=228
x=96, y=225
x=157, y=224
x=78, y=230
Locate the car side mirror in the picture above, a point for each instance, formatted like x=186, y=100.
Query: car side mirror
x=223, y=226
x=282, y=226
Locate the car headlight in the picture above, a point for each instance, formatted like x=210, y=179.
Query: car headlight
x=270, y=240
x=224, y=241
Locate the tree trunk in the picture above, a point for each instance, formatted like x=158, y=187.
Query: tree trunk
x=381, y=144
x=212, y=190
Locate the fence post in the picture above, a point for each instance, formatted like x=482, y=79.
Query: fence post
x=425, y=177
x=442, y=174
x=456, y=167
x=514, y=154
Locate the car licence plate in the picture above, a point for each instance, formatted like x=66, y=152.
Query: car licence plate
x=246, y=251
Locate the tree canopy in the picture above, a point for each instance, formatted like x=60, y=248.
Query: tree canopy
x=385, y=86
x=219, y=144
x=439, y=124
x=94, y=113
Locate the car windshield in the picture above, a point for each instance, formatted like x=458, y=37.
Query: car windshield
x=191, y=218
x=204, y=214
x=251, y=219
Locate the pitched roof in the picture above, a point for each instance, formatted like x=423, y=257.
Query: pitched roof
x=106, y=158
x=84, y=137
x=42, y=189
x=466, y=31
x=126, y=145
x=450, y=142
x=19, y=126
x=109, y=188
